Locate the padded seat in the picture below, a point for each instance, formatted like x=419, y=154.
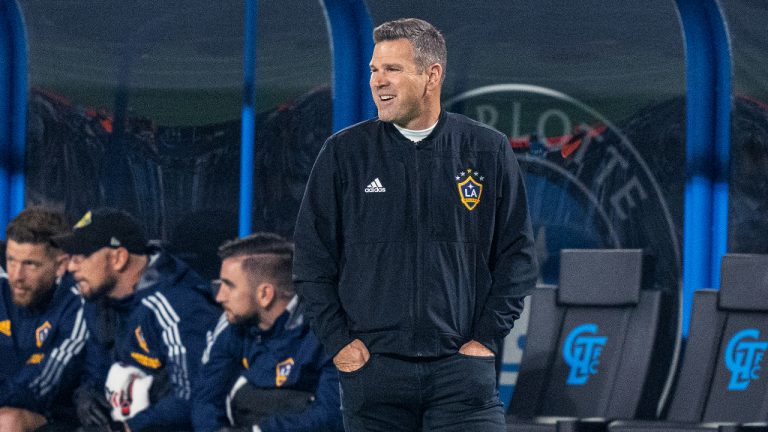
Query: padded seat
x=723, y=381
x=597, y=345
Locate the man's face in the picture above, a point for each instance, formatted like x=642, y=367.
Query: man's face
x=93, y=273
x=398, y=88
x=32, y=271
x=236, y=295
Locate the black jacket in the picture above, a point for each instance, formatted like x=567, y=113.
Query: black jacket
x=393, y=249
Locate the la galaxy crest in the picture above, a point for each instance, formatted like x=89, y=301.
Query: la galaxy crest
x=5, y=327
x=282, y=370
x=140, y=340
x=42, y=333
x=470, y=186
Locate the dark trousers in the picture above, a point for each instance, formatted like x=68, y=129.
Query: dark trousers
x=454, y=393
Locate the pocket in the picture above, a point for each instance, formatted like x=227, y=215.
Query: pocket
x=359, y=370
x=479, y=378
x=352, y=385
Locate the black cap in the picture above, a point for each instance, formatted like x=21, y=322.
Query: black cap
x=103, y=227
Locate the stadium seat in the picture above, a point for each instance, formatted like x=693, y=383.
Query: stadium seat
x=595, y=349
x=723, y=380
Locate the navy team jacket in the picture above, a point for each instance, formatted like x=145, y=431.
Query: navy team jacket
x=288, y=355
x=40, y=350
x=160, y=329
x=414, y=248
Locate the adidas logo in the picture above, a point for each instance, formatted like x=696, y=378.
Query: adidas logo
x=375, y=186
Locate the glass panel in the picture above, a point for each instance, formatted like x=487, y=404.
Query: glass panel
x=293, y=72
x=137, y=105
x=748, y=187
x=592, y=97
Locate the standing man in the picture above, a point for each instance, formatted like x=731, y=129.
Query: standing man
x=147, y=313
x=263, y=367
x=42, y=331
x=414, y=249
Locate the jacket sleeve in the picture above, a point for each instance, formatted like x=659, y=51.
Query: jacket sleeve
x=36, y=386
x=219, y=367
x=178, y=351
x=512, y=261
x=317, y=252
x=322, y=414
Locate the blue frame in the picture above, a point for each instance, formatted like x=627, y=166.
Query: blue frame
x=13, y=106
x=708, y=80
x=350, y=30
x=247, y=131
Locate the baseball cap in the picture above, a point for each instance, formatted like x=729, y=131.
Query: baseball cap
x=103, y=227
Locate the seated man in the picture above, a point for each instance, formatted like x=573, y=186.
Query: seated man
x=42, y=332
x=263, y=369
x=147, y=313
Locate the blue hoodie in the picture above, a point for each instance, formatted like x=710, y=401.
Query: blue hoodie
x=40, y=348
x=287, y=356
x=160, y=329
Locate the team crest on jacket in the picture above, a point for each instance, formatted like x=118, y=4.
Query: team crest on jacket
x=5, y=327
x=140, y=340
x=42, y=333
x=470, y=186
x=282, y=370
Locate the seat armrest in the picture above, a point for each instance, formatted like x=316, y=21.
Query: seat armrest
x=754, y=427
x=592, y=424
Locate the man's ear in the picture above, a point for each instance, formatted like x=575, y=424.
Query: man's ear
x=118, y=258
x=434, y=76
x=62, y=261
x=265, y=294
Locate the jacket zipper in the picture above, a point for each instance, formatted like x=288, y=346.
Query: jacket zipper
x=419, y=246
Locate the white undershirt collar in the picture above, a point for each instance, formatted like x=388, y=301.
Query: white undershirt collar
x=416, y=135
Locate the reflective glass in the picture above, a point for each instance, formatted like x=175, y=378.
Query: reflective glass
x=137, y=105
x=748, y=186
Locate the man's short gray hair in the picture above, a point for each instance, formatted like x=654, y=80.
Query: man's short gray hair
x=427, y=41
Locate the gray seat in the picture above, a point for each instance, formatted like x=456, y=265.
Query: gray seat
x=597, y=345
x=723, y=381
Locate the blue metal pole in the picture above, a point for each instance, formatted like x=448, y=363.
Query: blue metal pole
x=723, y=107
x=20, y=93
x=247, y=141
x=697, y=239
x=707, y=140
x=350, y=29
x=6, y=63
x=13, y=109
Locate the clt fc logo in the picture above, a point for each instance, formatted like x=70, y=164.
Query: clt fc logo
x=742, y=358
x=582, y=351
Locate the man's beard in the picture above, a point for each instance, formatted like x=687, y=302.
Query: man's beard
x=36, y=299
x=241, y=320
x=101, y=291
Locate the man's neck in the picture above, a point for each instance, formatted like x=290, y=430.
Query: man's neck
x=429, y=116
x=268, y=318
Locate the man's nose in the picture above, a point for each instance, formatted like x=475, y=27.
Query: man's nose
x=15, y=272
x=378, y=79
